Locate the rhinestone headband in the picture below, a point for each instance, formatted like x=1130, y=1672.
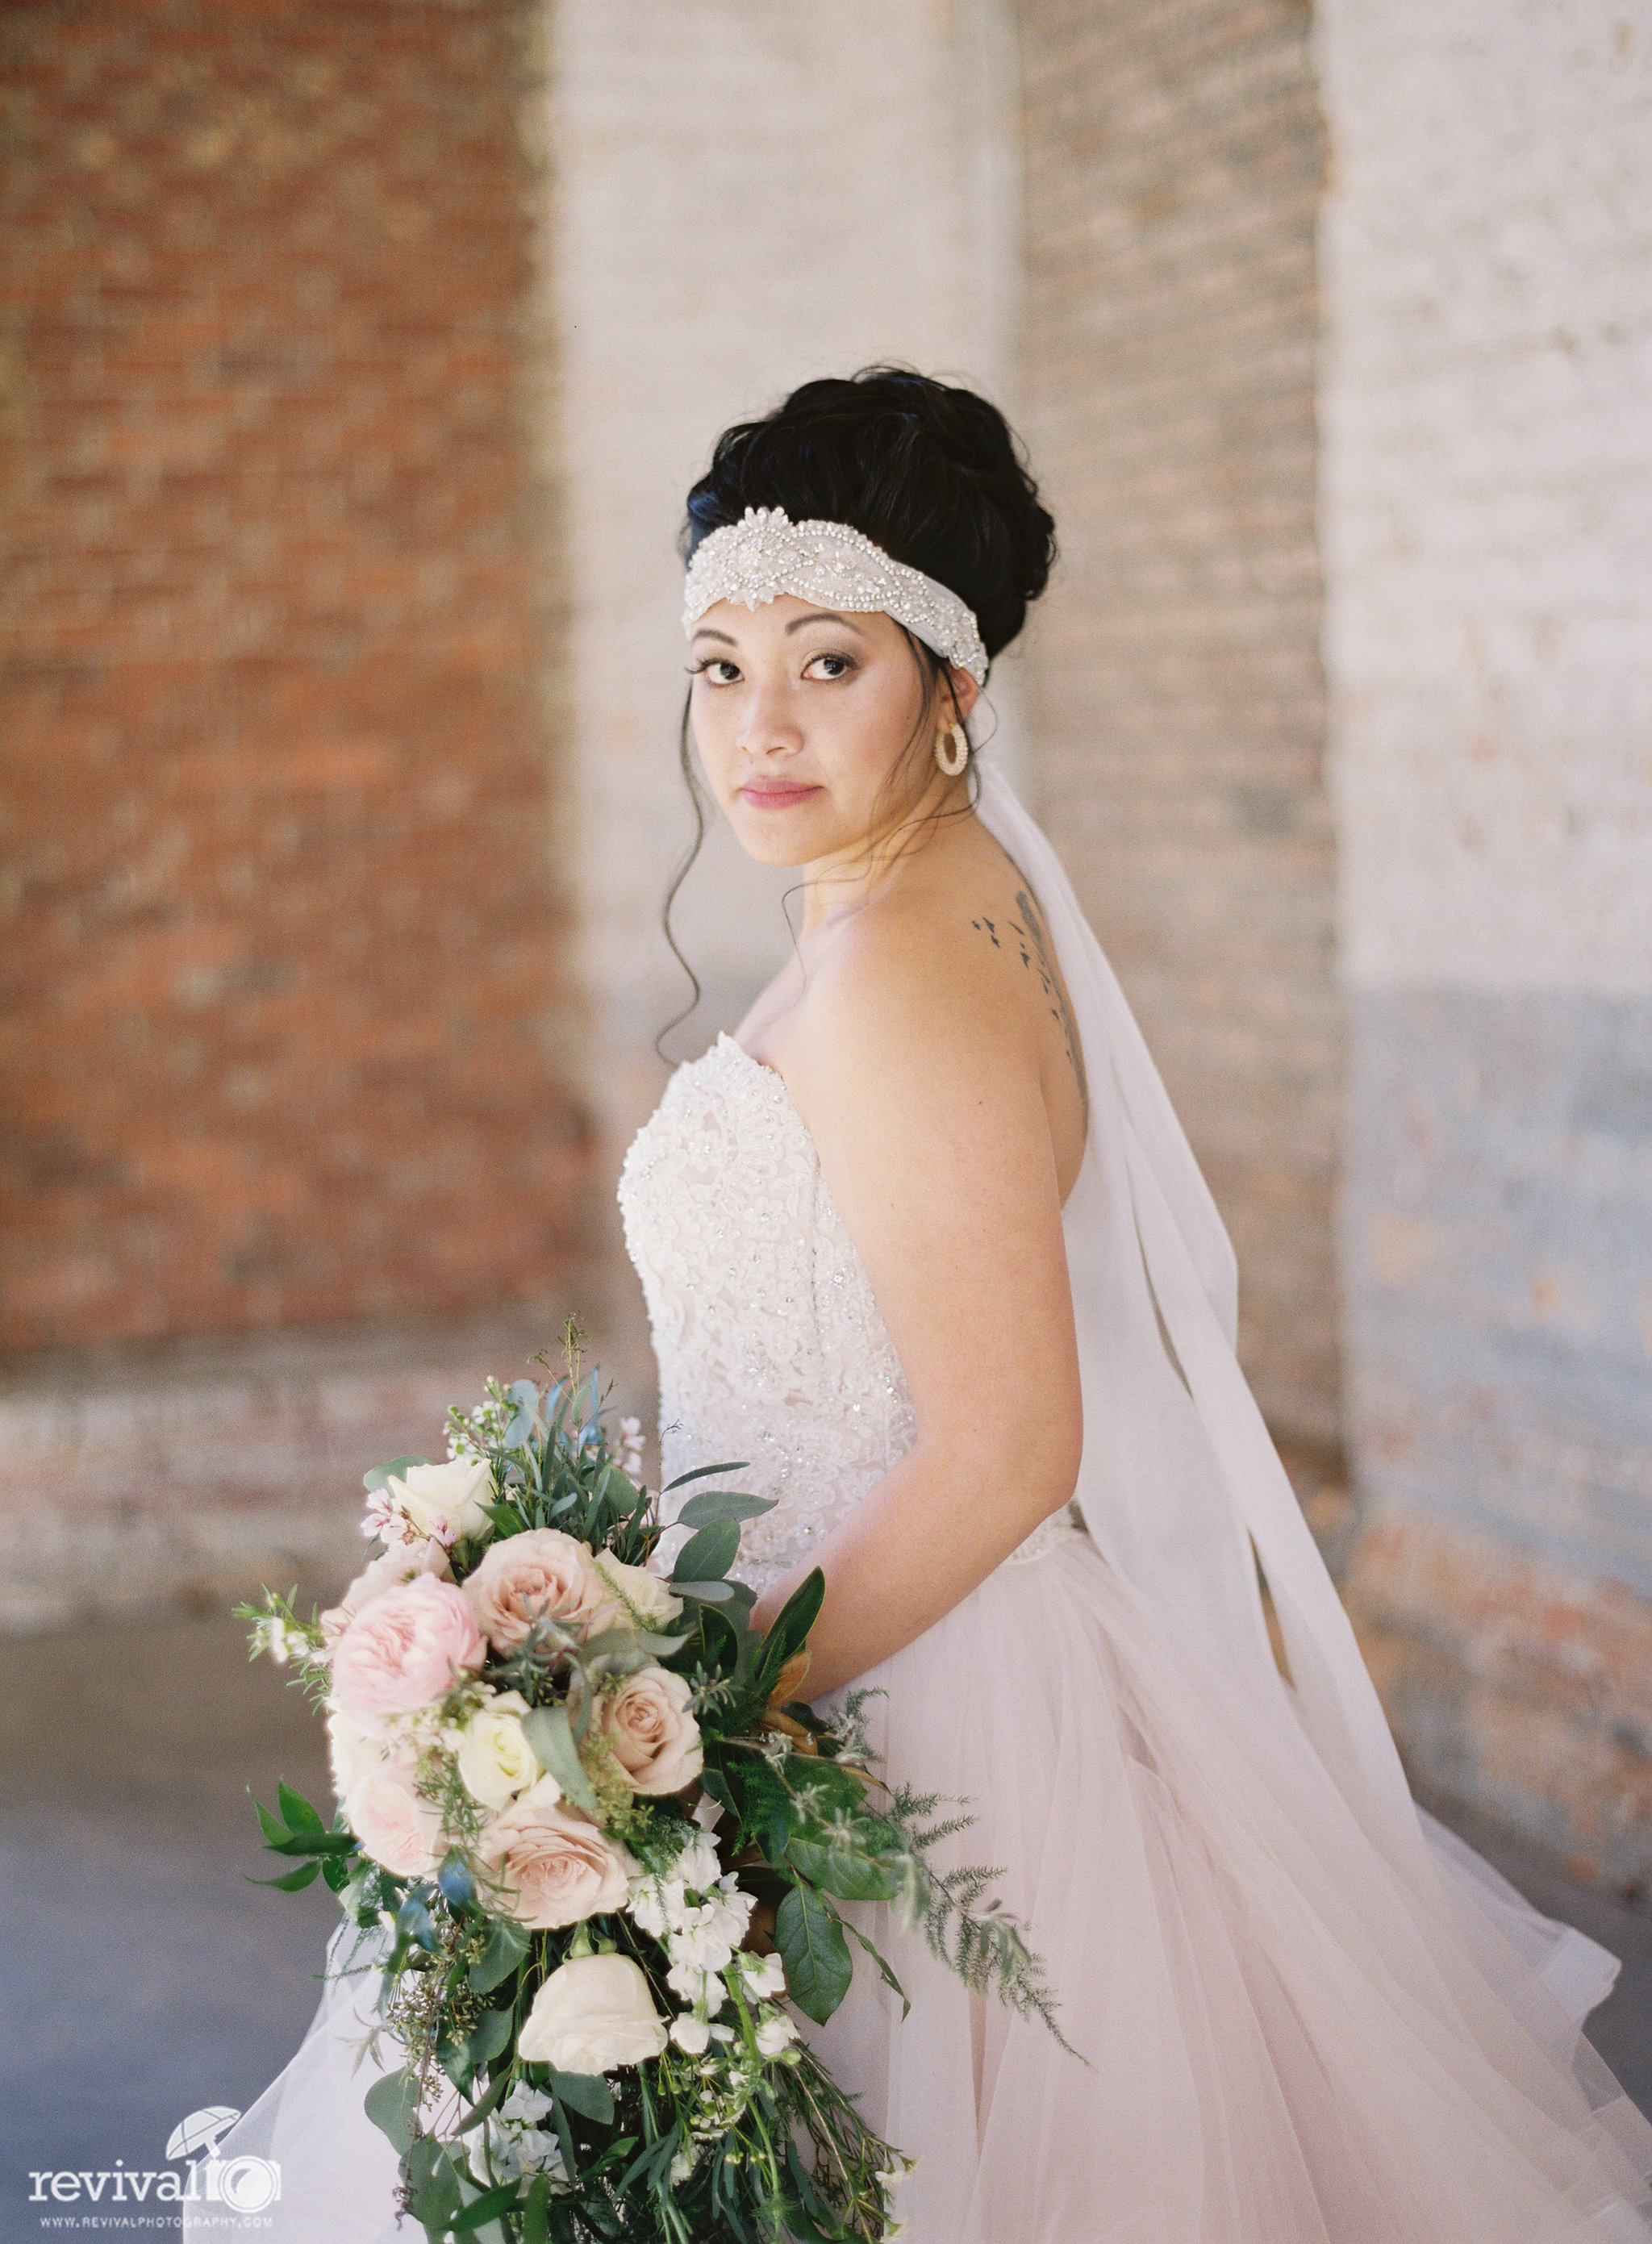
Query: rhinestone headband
x=766, y=553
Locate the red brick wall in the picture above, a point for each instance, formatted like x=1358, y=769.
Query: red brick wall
x=286, y=1031
x=1174, y=157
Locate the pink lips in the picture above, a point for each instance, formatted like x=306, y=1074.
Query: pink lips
x=776, y=798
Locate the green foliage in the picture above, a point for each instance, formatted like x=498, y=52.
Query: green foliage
x=648, y=2154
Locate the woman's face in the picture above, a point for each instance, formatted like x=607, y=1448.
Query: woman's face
x=816, y=729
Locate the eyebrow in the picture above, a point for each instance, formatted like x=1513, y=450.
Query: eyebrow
x=815, y=616
x=824, y=616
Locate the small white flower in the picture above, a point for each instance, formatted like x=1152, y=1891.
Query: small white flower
x=776, y=2032
x=690, y=2033
x=764, y=1975
x=707, y=1812
x=684, y=2164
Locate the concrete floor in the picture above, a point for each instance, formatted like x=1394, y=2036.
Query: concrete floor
x=144, y=1979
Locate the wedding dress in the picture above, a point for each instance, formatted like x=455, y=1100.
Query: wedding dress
x=1303, y=2012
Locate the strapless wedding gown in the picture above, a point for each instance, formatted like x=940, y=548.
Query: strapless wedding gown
x=1282, y=2040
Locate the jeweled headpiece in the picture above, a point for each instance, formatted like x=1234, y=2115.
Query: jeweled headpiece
x=766, y=553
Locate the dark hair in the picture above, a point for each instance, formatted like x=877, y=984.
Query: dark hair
x=930, y=473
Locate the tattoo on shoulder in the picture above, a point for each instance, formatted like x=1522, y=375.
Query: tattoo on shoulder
x=1031, y=941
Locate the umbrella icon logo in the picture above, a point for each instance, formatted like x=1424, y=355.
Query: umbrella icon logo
x=244, y=2184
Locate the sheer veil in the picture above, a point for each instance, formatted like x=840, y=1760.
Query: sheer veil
x=1180, y=1480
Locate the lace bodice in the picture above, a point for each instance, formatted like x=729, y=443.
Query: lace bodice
x=771, y=1343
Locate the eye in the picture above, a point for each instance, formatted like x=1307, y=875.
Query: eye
x=711, y=664
x=841, y=664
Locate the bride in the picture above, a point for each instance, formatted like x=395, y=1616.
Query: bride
x=924, y=1244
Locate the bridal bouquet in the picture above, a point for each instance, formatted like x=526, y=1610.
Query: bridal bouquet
x=592, y=1841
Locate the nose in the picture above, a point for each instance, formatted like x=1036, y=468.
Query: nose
x=768, y=721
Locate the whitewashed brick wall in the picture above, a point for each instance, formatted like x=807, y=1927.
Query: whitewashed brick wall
x=742, y=196
x=1485, y=409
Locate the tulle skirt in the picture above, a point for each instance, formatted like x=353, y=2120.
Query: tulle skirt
x=1281, y=2039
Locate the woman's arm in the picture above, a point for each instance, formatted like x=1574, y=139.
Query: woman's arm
x=918, y=1074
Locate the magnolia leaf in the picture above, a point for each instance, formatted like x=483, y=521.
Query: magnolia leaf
x=547, y=1730
x=843, y=1870
x=809, y=1936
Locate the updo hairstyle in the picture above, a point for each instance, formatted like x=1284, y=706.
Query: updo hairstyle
x=930, y=473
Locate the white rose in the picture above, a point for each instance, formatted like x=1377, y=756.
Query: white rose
x=592, y=2013
x=495, y=1758
x=641, y=1589
x=447, y=1501
x=354, y=1755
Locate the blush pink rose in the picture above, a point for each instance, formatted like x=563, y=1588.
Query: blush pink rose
x=405, y=1563
x=543, y=1572
x=405, y=1650
x=652, y=1734
x=554, y=1865
x=395, y=1826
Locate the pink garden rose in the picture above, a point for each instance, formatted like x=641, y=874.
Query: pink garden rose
x=555, y=1865
x=542, y=1571
x=395, y=1826
x=652, y=1734
x=405, y=1650
x=404, y=1562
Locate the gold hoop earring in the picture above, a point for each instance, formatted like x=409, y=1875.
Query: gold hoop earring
x=951, y=758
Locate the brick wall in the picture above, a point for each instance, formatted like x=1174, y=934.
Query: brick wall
x=1173, y=158
x=1487, y=472
x=284, y=1032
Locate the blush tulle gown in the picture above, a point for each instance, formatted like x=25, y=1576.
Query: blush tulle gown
x=1304, y=2014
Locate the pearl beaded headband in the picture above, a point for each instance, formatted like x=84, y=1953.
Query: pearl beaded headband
x=766, y=553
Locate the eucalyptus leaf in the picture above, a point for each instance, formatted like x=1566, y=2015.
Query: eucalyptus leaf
x=376, y=1479
x=707, y=1556
x=716, y=1593
x=716, y=1503
x=587, y=2093
x=809, y=1936
x=492, y=2033
x=507, y=1945
x=391, y=2105
x=456, y=1883
x=547, y=1730
x=702, y=1472
x=484, y=2104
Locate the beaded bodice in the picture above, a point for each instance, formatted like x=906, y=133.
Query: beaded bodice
x=771, y=1343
